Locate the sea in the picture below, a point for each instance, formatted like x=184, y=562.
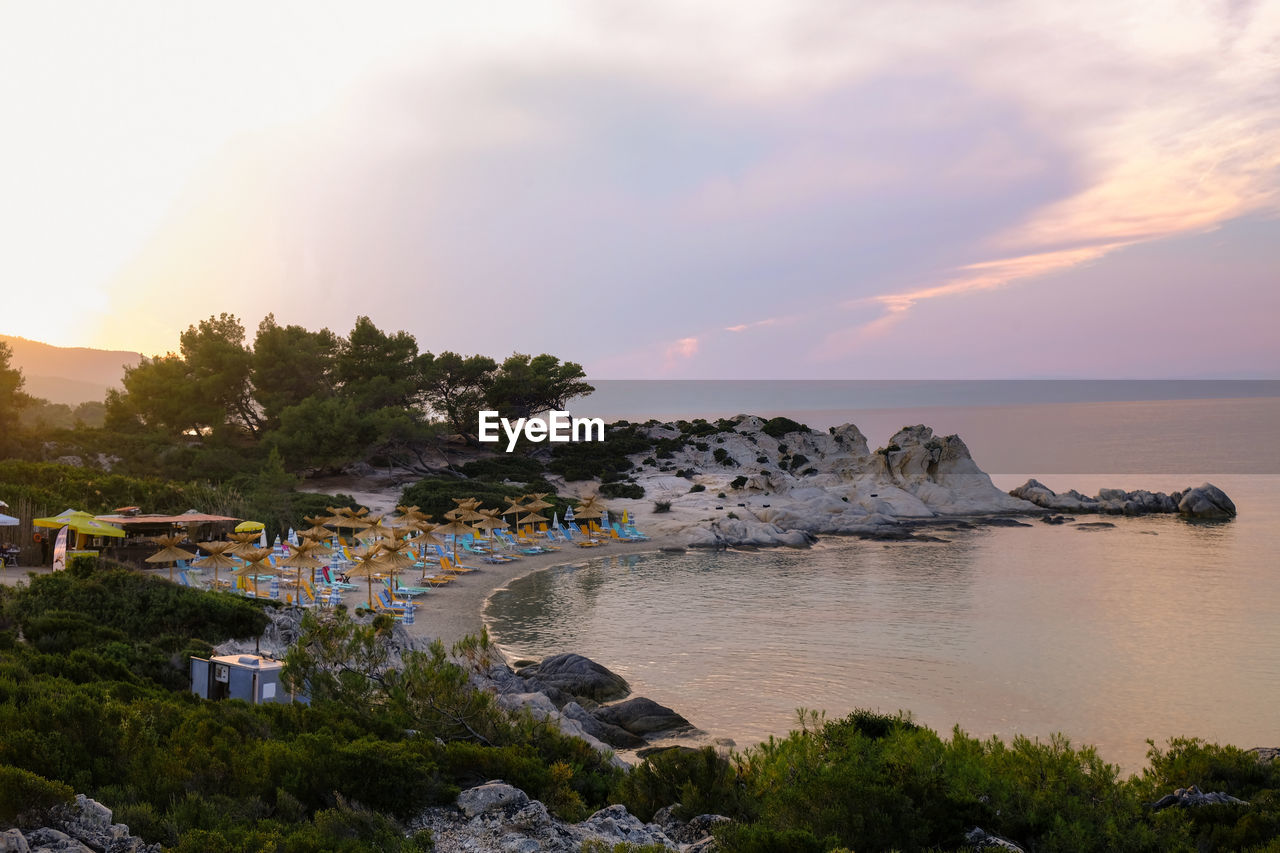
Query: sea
x=1155, y=628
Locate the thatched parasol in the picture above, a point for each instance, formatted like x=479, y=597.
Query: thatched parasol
x=367, y=564
x=489, y=521
x=300, y=557
x=219, y=558
x=395, y=557
x=243, y=542
x=255, y=562
x=169, y=552
x=456, y=527
x=535, y=503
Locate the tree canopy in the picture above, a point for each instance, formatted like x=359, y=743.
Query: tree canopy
x=320, y=400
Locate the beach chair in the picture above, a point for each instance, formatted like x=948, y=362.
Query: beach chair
x=402, y=590
x=389, y=603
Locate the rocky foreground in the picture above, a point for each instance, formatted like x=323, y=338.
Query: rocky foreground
x=750, y=486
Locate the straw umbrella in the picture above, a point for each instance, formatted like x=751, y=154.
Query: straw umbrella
x=515, y=507
x=218, y=558
x=412, y=516
x=254, y=562
x=455, y=528
x=375, y=528
x=243, y=542
x=367, y=564
x=317, y=530
x=169, y=552
x=489, y=521
x=347, y=517
x=536, y=503
x=301, y=558
x=394, y=557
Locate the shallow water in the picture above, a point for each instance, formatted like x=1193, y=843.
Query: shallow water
x=1158, y=627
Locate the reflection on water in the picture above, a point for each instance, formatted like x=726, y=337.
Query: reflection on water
x=1111, y=636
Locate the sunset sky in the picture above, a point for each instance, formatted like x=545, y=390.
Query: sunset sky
x=662, y=189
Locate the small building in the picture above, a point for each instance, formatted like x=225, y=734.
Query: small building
x=252, y=678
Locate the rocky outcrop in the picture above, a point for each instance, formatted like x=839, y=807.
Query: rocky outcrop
x=784, y=490
x=1193, y=796
x=1206, y=501
x=979, y=839
x=499, y=817
x=83, y=826
x=641, y=716
x=564, y=689
x=578, y=676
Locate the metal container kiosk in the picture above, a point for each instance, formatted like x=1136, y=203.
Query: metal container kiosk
x=252, y=678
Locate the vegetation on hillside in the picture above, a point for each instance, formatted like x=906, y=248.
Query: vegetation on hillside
x=93, y=699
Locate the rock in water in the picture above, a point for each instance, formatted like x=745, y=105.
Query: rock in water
x=641, y=716
x=578, y=676
x=1206, y=501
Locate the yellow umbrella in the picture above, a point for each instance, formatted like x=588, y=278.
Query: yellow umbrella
x=169, y=552
x=80, y=522
x=218, y=558
x=250, y=527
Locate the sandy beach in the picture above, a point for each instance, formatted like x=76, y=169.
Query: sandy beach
x=452, y=611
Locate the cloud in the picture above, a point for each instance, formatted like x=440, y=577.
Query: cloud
x=497, y=182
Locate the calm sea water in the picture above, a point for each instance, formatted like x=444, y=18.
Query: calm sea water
x=1158, y=627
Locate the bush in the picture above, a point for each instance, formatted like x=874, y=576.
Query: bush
x=622, y=490
x=520, y=469
x=26, y=799
x=702, y=781
x=778, y=427
x=738, y=482
x=661, y=506
x=798, y=460
x=697, y=487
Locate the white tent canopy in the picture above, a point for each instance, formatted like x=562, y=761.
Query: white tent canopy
x=8, y=520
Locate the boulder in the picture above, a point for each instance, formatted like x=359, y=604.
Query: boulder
x=641, y=716
x=46, y=839
x=491, y=796
x=1193, y=796
x=578, y=676
x=13, y=841
x=615, y=825
x=614, y=736
x=979, y=839
x=1206, y=501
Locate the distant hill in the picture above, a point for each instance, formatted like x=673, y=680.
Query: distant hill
x=68, y=375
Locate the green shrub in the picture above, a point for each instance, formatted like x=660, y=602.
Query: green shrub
x=778, y=427
x=622, y=490
x=520, y=469
x=26, y=799
x=798, y=460
x=661, y=506
x=738, y=482
x=697, y=487
x=702, y=781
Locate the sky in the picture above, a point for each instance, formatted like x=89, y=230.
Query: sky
x=798, y=189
